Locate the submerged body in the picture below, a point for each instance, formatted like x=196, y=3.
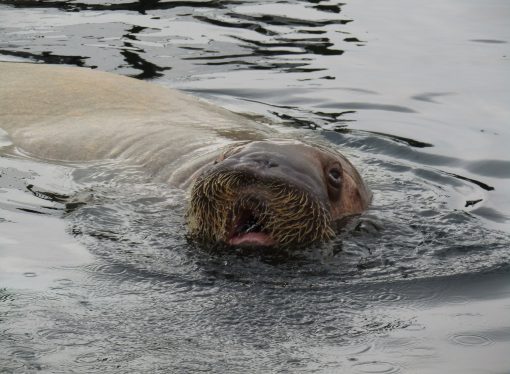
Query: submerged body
x=249, y=185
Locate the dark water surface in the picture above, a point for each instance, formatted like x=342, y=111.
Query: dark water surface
x=415, y=93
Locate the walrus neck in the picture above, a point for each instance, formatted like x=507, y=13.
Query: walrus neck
x=181, y=172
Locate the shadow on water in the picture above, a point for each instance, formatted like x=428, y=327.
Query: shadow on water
x=132, y=56
x=47, y=57
x=140, y=6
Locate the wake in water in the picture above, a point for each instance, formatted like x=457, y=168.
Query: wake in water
x=410, y=231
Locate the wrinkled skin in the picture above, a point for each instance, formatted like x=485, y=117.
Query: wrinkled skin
x=275, y=194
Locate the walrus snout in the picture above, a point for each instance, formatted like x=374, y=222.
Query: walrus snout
x=262, y=161
x=239, y=207
x=265, y=162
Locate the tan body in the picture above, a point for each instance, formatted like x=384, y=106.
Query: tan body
x=75, y=114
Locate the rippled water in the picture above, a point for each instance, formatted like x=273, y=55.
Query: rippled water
x=96, y=273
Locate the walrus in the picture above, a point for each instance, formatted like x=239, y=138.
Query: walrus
x=249, y=184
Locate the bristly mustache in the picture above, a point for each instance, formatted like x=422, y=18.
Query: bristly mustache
x=291, y=216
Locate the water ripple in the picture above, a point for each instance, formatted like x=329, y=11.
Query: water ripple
x=470, y=340
x=150, y=301
x=379, y=367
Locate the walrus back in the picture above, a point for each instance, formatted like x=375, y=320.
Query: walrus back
x=77, y=114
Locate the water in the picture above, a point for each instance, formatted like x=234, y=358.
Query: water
x=96, y=274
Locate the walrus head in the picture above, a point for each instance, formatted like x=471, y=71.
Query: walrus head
x=274, y=194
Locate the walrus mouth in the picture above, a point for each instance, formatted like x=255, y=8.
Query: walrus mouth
x=248, y=226
x=239, y=209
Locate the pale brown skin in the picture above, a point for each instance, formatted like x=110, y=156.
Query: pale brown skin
x=75, y=114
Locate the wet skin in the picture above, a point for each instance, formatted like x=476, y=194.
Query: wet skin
x=72, y=114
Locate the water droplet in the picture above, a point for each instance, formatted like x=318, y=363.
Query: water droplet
x=376, y=367
x=88, y=358
x=470, y=340
x=388, y=296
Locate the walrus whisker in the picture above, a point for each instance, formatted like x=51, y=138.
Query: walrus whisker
x=288, y=215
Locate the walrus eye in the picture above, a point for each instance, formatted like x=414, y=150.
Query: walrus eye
x=334, y=176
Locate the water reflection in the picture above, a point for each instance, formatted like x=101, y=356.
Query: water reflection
x=243, y=51
x=140, y=6
x=132, y=56
x=47, y=57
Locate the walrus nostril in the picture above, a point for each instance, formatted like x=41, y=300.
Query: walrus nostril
x=265, y=163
